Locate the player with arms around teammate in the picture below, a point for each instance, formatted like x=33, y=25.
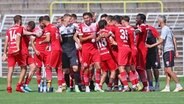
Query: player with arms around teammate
x=69, y=56
x=41, y=50
x=90, y=53
x=55, y=54
x=169, y=52
x=105, y=40
x=13, y=52
x=133, y=77
x=141, y=32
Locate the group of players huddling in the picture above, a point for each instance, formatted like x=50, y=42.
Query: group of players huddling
x=86, y=55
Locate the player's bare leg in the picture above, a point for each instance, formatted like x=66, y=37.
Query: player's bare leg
x=29, y=76
x=76, y=76
x=111, y=79
x=123, y=77
x=170, y=73
x=97, y=77
x=9, y=79
x=38, y=76
x=103, y=78
x=19, y=87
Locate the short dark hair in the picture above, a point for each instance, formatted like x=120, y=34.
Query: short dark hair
x=74, y=16
x=142, y=16
x=31, y=24
x=17, y=18
x=47, y=18
x=102, y=24
x=41, y=19
x=126, y=18
x=66, y=15
x=103, y=16
x=118, y=19
x=88, y=14
x=110, y=17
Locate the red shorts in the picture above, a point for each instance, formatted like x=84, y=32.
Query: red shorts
x=54, y=59
x=134, y=57
x=124, y=56
x=39, y=59
x=141, y=59
x=16, y=58
x=90, y=56
x=108, y=65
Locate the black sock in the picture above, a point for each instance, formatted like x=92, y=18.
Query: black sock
x=67, y=79
x=76, y=76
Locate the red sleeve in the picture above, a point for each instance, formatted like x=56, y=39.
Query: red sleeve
x=154, y=32
x=131, y=37
x=19, y=31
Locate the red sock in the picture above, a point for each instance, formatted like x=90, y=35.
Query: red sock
x=97, y=76
x=86, y=79
x=82, y=77
x=28, y=81
x=143, y=78
x=111, y=80
x=123, y=78
x=135, y=76
x=38, y=76
x=60, y=76
x=131, y=77
x=48, y=73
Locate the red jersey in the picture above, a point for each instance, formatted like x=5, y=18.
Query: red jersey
x=11, y=34
x=111, y=28
x=131, y=35
x=154, y=31
x=54, y=36
x=40, y=47
x=85, y=31
x=121, y=35
x=141, y=37
x=103, y=45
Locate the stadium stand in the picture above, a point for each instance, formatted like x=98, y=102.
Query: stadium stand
x=42, y=6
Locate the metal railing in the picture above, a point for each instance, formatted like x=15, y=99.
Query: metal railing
x=125, y=2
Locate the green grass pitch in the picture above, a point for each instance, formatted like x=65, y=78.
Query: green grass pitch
x=88, y=98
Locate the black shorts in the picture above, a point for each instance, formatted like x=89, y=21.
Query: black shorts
x=153, y=60
x=168, y=58
x=69, y=59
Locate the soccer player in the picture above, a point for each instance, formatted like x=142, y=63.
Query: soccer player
x=41, y=50
x=152, y=60
x=12, y=51
x=124, y=51
x=69, y=56
x=103, y=17
x=55, y=54
x=16, y=52
x=107, y=62
x=90, y=52
x=141, y=33
x=169, y=52
x=30, y=60
x=133, y=77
